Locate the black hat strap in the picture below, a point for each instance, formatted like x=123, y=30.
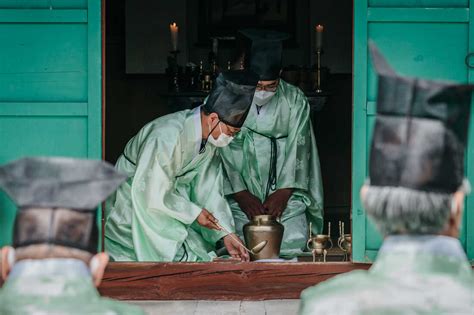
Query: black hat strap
x=204, y=142
x=272, y=172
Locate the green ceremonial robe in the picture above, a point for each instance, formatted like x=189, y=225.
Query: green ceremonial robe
x=412, y=275
x=284, y=121
x=152, y=216
x=56, y=287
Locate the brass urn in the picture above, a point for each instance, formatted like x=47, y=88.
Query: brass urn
x=264, y=228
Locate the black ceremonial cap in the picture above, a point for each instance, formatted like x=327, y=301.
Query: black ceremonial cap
x=232, y=96
x=420, y=132
x=58, y=199
x=262, y=51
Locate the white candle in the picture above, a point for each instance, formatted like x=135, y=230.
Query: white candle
x=174, y=36
x=319, y=37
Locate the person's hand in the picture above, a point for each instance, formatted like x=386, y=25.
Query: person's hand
x=249, y=204
x=233, y=244
x=276, y=202
x=206, y=219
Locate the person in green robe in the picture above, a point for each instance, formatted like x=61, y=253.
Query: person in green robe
x=169, y=206
x=272, y=166
x=415, y=196
x=53, y=266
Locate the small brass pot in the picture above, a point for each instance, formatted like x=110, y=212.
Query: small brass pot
x=345, y=243
x=319, y=243
x=264, y=228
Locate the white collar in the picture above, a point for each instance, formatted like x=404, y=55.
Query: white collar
x=50, y=266
x=198, y=129
x=430, y=244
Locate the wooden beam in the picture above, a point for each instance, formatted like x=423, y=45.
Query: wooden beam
x=418, y=15
x=42, y=16
x=216, y=281
x=43, y=109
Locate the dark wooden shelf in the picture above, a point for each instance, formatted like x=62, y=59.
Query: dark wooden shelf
x=216, y=280
x=202, y=93
x=185, y=94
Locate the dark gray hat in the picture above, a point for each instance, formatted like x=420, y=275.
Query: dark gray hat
x=58, y=199
x=232, y=96
x=47, y=182
x=262, y=50
x=420, y=131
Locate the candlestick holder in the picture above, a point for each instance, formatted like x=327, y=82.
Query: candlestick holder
x=175, y=54
x=344, y=242
x=318, y=71
x=319, y=244
x=174, y=72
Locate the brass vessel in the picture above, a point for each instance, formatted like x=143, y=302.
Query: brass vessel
x=317, y=244
x=264, y=228
x=344, y=241
x=320, y=243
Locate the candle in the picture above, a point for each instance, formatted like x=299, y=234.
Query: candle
x=319, y=37
x=174, y=36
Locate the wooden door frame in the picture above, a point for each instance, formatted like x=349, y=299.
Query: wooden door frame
x=208, y=281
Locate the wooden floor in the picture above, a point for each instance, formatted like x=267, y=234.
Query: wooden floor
x=216, y=281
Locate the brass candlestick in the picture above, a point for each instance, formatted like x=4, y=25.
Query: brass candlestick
x=320, y=243
x=174, y=83
x=344, y=241
x=318, y=69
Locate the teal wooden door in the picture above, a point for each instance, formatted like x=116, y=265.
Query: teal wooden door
x=427, y=38
x=50, y=83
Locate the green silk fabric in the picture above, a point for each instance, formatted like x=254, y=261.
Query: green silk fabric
x=152, y=217
x=410, y=277
x=247, y=163
x=56, y=287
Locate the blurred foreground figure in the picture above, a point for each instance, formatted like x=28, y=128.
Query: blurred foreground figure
x=53, y=266
x=415, y=196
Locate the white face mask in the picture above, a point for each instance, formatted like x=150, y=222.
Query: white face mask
x=262, y=97
x=223, y=139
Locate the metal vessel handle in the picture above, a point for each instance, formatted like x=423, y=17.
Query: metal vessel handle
x=330, y=241
x=307, y=244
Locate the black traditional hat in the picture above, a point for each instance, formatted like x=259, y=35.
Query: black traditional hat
x=420, y=131
x=232, y=96
x=57, y=199
x=262, y=50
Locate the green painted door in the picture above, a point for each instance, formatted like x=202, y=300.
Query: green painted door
x=50, y=83
x=427, y=38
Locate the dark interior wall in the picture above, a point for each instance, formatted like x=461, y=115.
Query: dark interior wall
x=147, y=33
x=148, y=39
x=295, y=53
x=333, y=129
x=336, y=16
x=131, y=99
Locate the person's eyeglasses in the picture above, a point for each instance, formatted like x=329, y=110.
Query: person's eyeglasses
x=268, y=87
x=232, y=130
